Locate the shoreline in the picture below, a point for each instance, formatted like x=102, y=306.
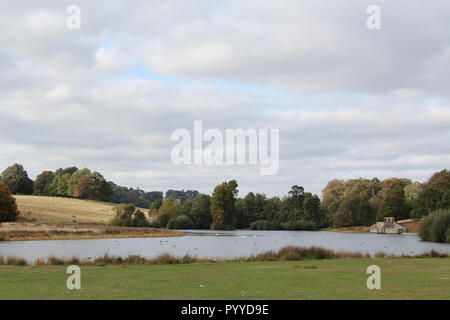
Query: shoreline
x=79, y=231
x=92, y=236
x=288, y=253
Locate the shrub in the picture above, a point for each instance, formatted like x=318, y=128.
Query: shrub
x=8, y=206
x=13, y=261
x=180, y=222
x=435, y=226
x=155, y=224
x=299, y=225
x=128, y=216
x=261, y=225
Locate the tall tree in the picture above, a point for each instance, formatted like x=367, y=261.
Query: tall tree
x=223, y=205
x=16, y=178
x=8, y=206
x=74, y=178
x=93, y=186
x=43, y=182
x=170, y=208
x=435, y=195
x=200, y=213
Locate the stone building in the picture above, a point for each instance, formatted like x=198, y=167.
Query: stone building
x=388, y=226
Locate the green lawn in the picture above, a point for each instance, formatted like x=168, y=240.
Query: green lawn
x=314, y=279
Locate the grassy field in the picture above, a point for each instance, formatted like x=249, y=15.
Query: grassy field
x=402, y=278
x=39, y=209
x=52, y=218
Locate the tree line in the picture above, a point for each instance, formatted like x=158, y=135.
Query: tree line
x=83, y=184
x=344, y=203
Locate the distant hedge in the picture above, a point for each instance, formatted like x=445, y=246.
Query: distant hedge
x=263, y=225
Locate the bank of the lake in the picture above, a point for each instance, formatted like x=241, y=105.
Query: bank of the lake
x=25, y=231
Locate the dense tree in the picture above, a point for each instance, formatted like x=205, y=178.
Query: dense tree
x=200, y=212
x=170, y=208
x=435, y=226
x=126, y=215
x=250, y=209
x=294, y=202
x=182, y=195
x=60, y=184
x=73, y=180
x=8, y=206
x=412, y=191
x=311, y=209
x=271, y=209
x=137, y=197
x=16, y=178
x=154, y=207
x=94, y=187
x=223, y=205
x=434, y=196
x=43, y=182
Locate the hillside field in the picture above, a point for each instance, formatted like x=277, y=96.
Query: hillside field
x=53, y=218
x=37, y=209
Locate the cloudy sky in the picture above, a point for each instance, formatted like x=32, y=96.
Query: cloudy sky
x=349, y=102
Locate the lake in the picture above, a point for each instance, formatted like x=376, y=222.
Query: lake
x=220, y=244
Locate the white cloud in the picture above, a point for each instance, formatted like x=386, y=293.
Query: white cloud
x=347, y=101
x=108, y=60
x=61, y=92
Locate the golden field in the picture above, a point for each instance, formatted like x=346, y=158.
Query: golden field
x=50, y=218
x=39, y=209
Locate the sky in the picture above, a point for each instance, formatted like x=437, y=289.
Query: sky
x=349, y=102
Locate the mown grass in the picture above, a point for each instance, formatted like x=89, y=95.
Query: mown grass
x=289, y=253
x=344, y=278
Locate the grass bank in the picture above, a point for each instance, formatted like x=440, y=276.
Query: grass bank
x=344, y=278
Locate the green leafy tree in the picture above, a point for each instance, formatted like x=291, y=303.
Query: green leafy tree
x=434, y=196
x=16, y=178
x=312, y=210
x=223, y=205
x=43, y=183
x=8, y=206
x=59, y=185
x=73, y=180
x=94, y=187
x=126, y=215
x=200, y=213
x=170, y=208
x=272, y=209
x=154, y=207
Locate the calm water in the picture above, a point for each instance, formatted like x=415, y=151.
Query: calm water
x=220, y=244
